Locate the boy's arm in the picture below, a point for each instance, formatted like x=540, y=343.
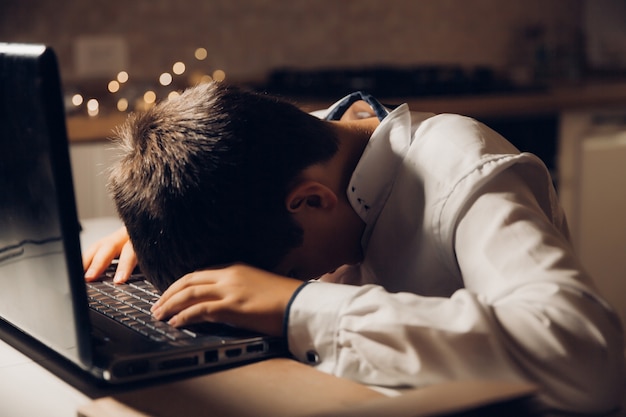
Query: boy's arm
x=99, y=256
x=239, y=295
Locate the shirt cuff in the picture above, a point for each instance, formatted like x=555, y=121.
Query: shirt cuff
x=288, y=309
x=312, y=322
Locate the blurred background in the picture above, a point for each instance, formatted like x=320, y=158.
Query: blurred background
x=550, y=75
x=527, y=40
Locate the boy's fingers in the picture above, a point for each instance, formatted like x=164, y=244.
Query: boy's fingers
x=100, y=261
x=98, y=257
x=88, y=256
x=195, y=313
x=126, y=263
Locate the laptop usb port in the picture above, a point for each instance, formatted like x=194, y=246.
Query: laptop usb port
x=233, y=353
x=211, y=356
x=178, y=363
x=256, y=348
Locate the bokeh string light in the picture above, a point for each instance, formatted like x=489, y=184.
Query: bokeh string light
x=122, y=77
x=124, y=94
x=166, y=79
x=77, y=100
x=93, y=107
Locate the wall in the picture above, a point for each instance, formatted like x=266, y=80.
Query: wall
x=248, y=38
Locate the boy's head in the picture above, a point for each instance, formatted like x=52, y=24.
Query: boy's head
x=202, y=179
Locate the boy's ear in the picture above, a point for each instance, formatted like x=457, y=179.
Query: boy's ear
x=310, y=194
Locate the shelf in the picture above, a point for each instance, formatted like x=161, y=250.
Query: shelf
x=555, y=100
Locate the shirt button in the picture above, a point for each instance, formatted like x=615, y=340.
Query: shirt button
x=312, y=357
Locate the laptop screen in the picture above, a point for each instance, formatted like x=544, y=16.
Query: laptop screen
x=39, y=248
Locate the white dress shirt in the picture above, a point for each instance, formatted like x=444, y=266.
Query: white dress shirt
x=468, y=273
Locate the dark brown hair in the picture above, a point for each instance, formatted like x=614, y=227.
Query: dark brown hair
x=202, y=179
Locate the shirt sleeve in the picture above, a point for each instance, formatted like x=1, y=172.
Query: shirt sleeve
x=527, y=312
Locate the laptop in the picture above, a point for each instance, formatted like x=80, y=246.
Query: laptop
x=42, y=289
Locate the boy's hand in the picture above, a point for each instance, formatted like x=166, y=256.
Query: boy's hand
x=99, y=256
x=239, y=295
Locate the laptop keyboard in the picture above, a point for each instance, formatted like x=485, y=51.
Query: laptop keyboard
x=129, y=304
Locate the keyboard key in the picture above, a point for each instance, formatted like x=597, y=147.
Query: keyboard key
x=130, y=304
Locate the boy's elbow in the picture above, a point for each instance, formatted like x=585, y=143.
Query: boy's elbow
x=592, y=381
x=597, y=393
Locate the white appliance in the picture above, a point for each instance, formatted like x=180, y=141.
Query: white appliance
x=592, y=187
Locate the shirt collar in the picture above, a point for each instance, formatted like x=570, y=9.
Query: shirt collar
x=375, y=173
